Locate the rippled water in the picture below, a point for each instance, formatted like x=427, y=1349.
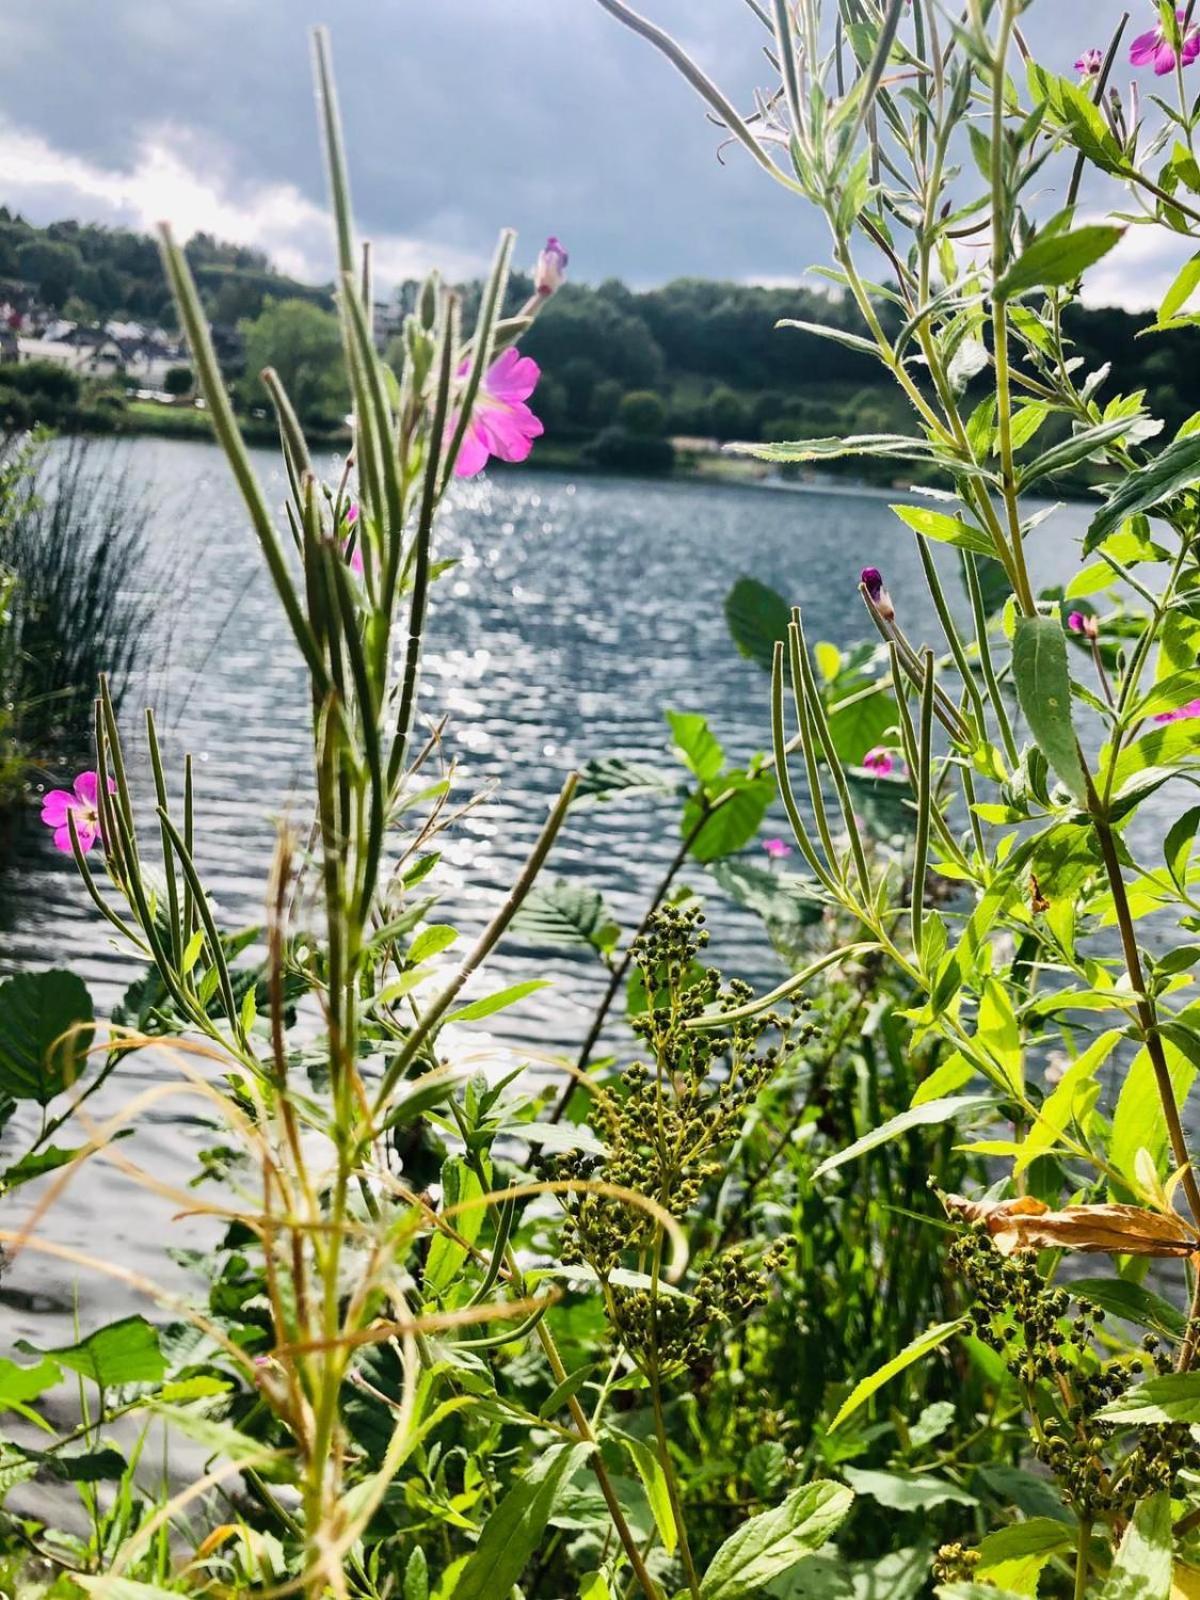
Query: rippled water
x=579, y=609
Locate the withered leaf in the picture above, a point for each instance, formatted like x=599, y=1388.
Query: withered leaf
x=1029, y=1224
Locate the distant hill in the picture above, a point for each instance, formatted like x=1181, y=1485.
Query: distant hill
x=711, y=351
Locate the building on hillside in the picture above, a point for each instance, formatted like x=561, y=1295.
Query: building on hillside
x=388, y=321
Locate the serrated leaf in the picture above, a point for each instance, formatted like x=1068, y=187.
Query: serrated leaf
x=1173, y=1397
x=1044, y=691
x=772, y=1543
x=126, y=1351
x=46, y=1027
x=1054, y=260
x=757, y=618
x=1133, y=1302
x=696, y=744
x=654, y=1481
x=565, y=913
x=903, y=1493
x=1144, y=1561
x=1174, y=468
x=1013, y=1557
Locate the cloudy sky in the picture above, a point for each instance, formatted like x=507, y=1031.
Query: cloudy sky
x=462, y=116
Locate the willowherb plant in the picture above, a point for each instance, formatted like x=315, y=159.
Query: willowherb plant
x=930, y=139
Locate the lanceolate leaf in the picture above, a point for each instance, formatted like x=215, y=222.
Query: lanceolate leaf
x=921, y=1346
x=1174, y=468
x=928, y=1114
x=1044, y=691
x=947, y=530
x=654, y=1481
x=771, y=1543
x=1057, y=259
x=514, y=1530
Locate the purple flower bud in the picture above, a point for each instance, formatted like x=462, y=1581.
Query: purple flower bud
x=1090, y=62
x=1080, y=622
x=551, y=267
x=872, y=581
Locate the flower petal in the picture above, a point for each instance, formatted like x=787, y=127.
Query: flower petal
x=86, y=785
x=1141, y=51
x=55, y=806
x=472, y=458
x=512, y=376
x=1164, y=59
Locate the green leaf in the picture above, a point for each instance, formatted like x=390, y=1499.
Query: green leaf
x=1177, y=850
x=945, y=1078
x=1134, y=1303
x=1073, y=1096
x=861, y=444
x=757, y=618
x=36, y=1163
x=826, y=330
x=19, y=1385
x=697, y=745
x=735, y=822
x=123, y=1352
x=1174, y=468
x=431, y=941
x=785, y=901
x=1056, y=259
x=1142, y=1569
x=900, y=1493
x=36, y=1010
x=1138, y=1122
x=612, y=775
x=123, y=1589
x=570, y=914
x=1044, y=691
x=913, y=1352
x=654, y=1481
x=1071, y=451
x=571, y=1385
x=974, y=1591
x=416, y=1577
x=772, y=1543
x=927, y=1114
x=459, y=1187
x=947, y=530
x=999, y=1033
x=476, y=1010
x=1174, y=1397
x=1013, y=1557
x=513, y=1532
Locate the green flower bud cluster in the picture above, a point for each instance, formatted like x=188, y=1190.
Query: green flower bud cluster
x=1053, y=1355
x=955, y=1563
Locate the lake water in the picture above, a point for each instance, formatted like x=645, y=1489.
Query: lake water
x=579, y=610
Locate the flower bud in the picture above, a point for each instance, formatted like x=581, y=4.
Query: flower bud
x=551, y=268
x=1079, y=622
x=872, y=581
x=1090, y=63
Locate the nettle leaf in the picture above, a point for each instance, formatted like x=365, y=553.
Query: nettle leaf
x=946, y=530
x=757, y=617
x=786, y=902
x=770, y=1544
x=47, y=1023
x=913, y=1352
x=1174, y=1397
x=20, y=1385
x=1174, y=468
x=1013, y=1557
x=1057, y=259
x=513, y=1532
x=1143, y=1567
x=613, y=775
x=565, y=913
x=123, y=1352
x=1134, y=1303
x=1044, y=691
x=696, y=745
x=900, y=1493
x=735, y=821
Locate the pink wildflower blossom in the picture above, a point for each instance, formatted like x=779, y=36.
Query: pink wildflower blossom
x=1190, y=708
x=1090, y=62
x=1156, y=49
x=777, y=848
x=1079, y=622
x=551, y=267
x=501, y=424
x=78, y=802
x=880, y=761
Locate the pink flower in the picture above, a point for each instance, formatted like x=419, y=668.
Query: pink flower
x=777, y=848
x=61, y=804
x=501, y=424
x=355, y=555
x=880, y=761
x=872, y=581
x=1156, y=49
x=1180, y=713
x=551, y=267
x=1090, y=62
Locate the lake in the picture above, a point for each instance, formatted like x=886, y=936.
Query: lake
x=578, y=611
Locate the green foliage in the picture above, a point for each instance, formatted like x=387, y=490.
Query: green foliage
x=302, y=344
